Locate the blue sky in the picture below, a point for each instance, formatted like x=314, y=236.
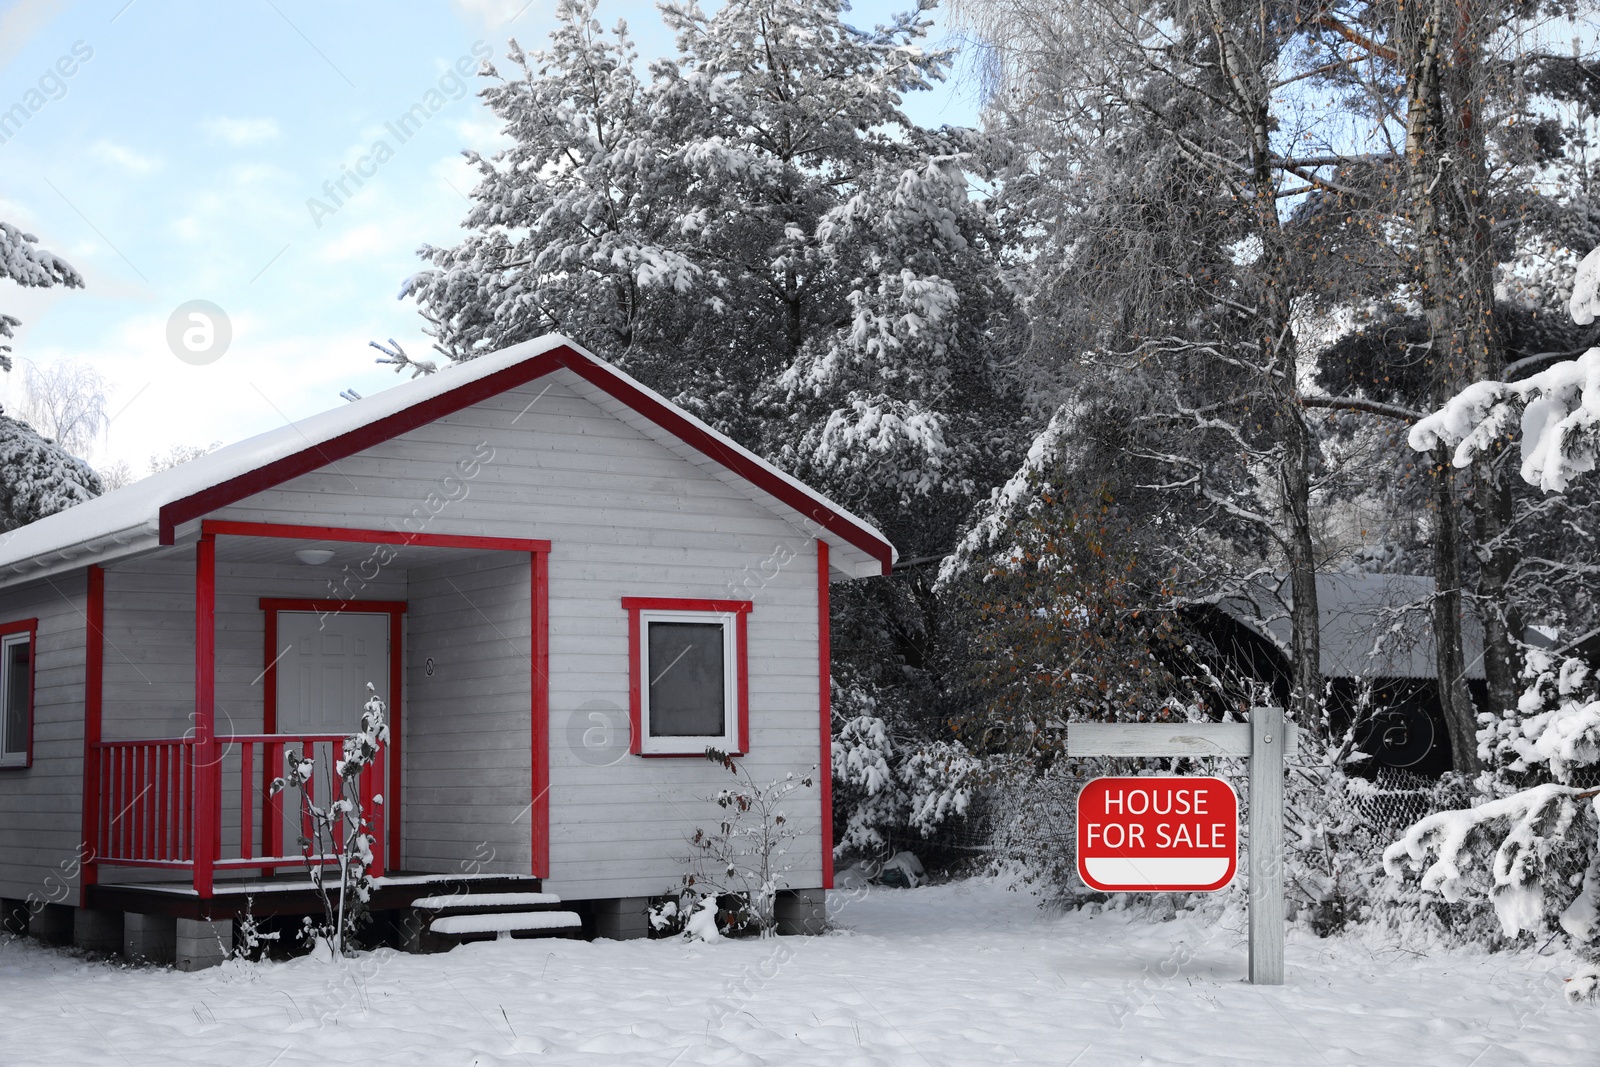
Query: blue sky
x=175, y=162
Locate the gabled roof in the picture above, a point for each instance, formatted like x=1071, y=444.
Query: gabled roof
x=1371, y=625
x=153, y=509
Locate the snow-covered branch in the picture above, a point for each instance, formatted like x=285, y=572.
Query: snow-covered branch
x=1558, y=409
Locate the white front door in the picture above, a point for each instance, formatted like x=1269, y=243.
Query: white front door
x=325, y=664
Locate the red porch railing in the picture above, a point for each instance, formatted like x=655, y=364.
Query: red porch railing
x=147, y=814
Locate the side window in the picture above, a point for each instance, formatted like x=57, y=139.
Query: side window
x=16, y=693
x=687, y=676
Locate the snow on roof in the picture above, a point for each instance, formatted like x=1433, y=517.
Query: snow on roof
x=1372, y=625
x=150, y=508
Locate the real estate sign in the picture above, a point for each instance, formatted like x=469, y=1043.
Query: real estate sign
x=1158, y=834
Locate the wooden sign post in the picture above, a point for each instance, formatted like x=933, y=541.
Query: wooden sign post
x=1266, y=741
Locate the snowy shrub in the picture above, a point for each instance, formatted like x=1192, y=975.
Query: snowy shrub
x=1529, y=850
x=252, y=942
x=737, y=869
x=1556, y=724
x=887, y=787
x=704, y=923
x=340, y=829
x=667, y=916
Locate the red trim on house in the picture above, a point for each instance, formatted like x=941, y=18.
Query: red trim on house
x=659, y=603
x=31, y=628
x=272, y=807
x=207, y=824
x=741, y=638
x=334, y=607
x=540, y=724
x=386, y=830
x=214, y=527
x=740, y=609
x=389, y=828
x=825, y=705
x=94, y=658
x=635, y=693
x=593, y=371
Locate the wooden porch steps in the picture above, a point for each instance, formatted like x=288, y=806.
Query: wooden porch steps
x=446, y=921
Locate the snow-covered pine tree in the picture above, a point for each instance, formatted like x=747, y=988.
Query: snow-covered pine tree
x=24, y=262
x=575, y=225
x=37, y=476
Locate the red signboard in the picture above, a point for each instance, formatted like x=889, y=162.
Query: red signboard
x=1158, y=834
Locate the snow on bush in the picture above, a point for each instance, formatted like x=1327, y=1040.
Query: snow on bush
x=743, y=859
x=888, y=785
x=341, y=830
x=1518, y=850
x=1559, y=414
x=1556, y=725
x=1530, y=825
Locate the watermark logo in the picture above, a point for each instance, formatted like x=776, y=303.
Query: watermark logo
x=51, y=85
x=199, y=332
x=599, y=733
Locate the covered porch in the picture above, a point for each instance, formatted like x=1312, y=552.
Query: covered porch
x=177, y=804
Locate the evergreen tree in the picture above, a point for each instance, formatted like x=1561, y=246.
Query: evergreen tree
x=25, y=263
x=37, y=476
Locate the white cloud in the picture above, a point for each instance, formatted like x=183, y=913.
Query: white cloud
x=496, y=13
x=124, y=157
x=241, y=132
x=266, y=377
x=362, y=242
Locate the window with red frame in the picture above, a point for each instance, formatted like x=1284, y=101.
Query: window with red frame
x=688, y=686
x=16, y=694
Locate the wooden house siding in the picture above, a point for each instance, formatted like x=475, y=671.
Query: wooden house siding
x=41, y=806
x=469, y=697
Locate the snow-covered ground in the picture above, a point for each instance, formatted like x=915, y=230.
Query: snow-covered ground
x=967, y=973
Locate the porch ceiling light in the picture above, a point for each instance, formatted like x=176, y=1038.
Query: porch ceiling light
x=313, y=557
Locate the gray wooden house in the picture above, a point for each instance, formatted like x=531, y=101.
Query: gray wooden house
x=564, y=587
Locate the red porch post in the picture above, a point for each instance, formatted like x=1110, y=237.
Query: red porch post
x=93, y=665
x=206, y=817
